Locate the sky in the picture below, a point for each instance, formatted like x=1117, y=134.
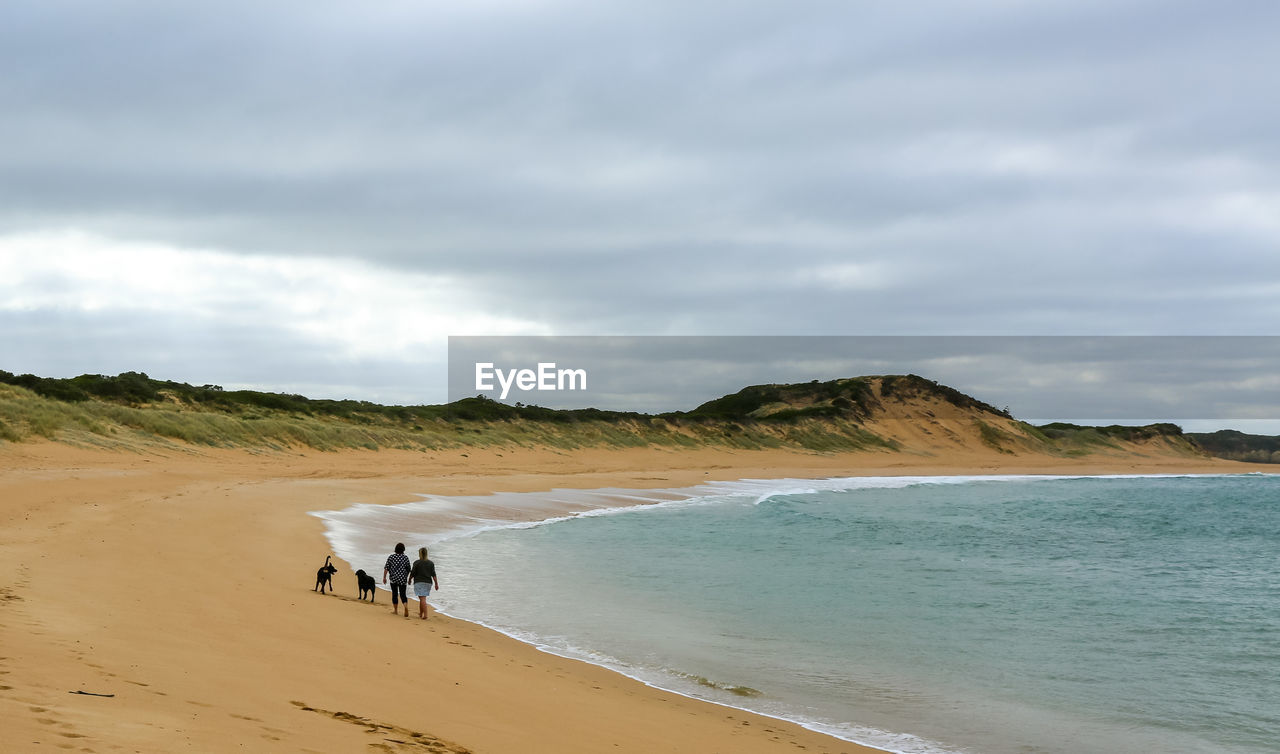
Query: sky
x=312, y=197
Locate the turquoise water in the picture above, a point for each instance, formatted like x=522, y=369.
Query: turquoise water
x=1130, y=614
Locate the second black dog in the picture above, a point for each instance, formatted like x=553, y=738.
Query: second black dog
x=366, y=584
x=324, y=576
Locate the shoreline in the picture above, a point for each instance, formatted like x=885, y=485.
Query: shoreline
x=175, y=581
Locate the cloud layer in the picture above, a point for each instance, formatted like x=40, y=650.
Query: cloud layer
x=349, y=183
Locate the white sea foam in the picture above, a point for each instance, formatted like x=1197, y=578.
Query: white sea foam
x=451, y=517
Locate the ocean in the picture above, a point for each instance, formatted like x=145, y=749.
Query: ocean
x=919, y=615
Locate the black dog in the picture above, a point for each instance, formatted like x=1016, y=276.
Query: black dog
x=366, y=584
x=324, y=576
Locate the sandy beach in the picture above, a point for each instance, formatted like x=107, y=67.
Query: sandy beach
x=162, y=601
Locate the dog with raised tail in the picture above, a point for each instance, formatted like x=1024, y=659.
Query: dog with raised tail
x=324, y=576
x=366, y=584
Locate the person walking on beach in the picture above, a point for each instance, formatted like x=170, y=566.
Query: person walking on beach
x=422, y=576
x=398, y=568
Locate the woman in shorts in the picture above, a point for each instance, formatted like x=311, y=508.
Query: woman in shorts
x=423, y=577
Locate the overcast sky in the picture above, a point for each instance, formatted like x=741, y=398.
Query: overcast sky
x=311, y=196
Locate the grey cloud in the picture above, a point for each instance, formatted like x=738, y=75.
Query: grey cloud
x=201, y=351
x=660, y=167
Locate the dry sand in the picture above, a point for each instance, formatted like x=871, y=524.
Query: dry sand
x=180, y=583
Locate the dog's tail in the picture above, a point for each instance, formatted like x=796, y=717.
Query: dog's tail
x=326, y=559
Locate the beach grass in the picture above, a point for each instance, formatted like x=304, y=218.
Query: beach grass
x=994, y=438
x=132, y=410
x=25, y=415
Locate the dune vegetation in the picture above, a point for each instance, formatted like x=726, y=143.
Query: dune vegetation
x=880, y=413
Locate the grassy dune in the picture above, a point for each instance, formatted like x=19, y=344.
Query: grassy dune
x=865, y=413
x=24, y=415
